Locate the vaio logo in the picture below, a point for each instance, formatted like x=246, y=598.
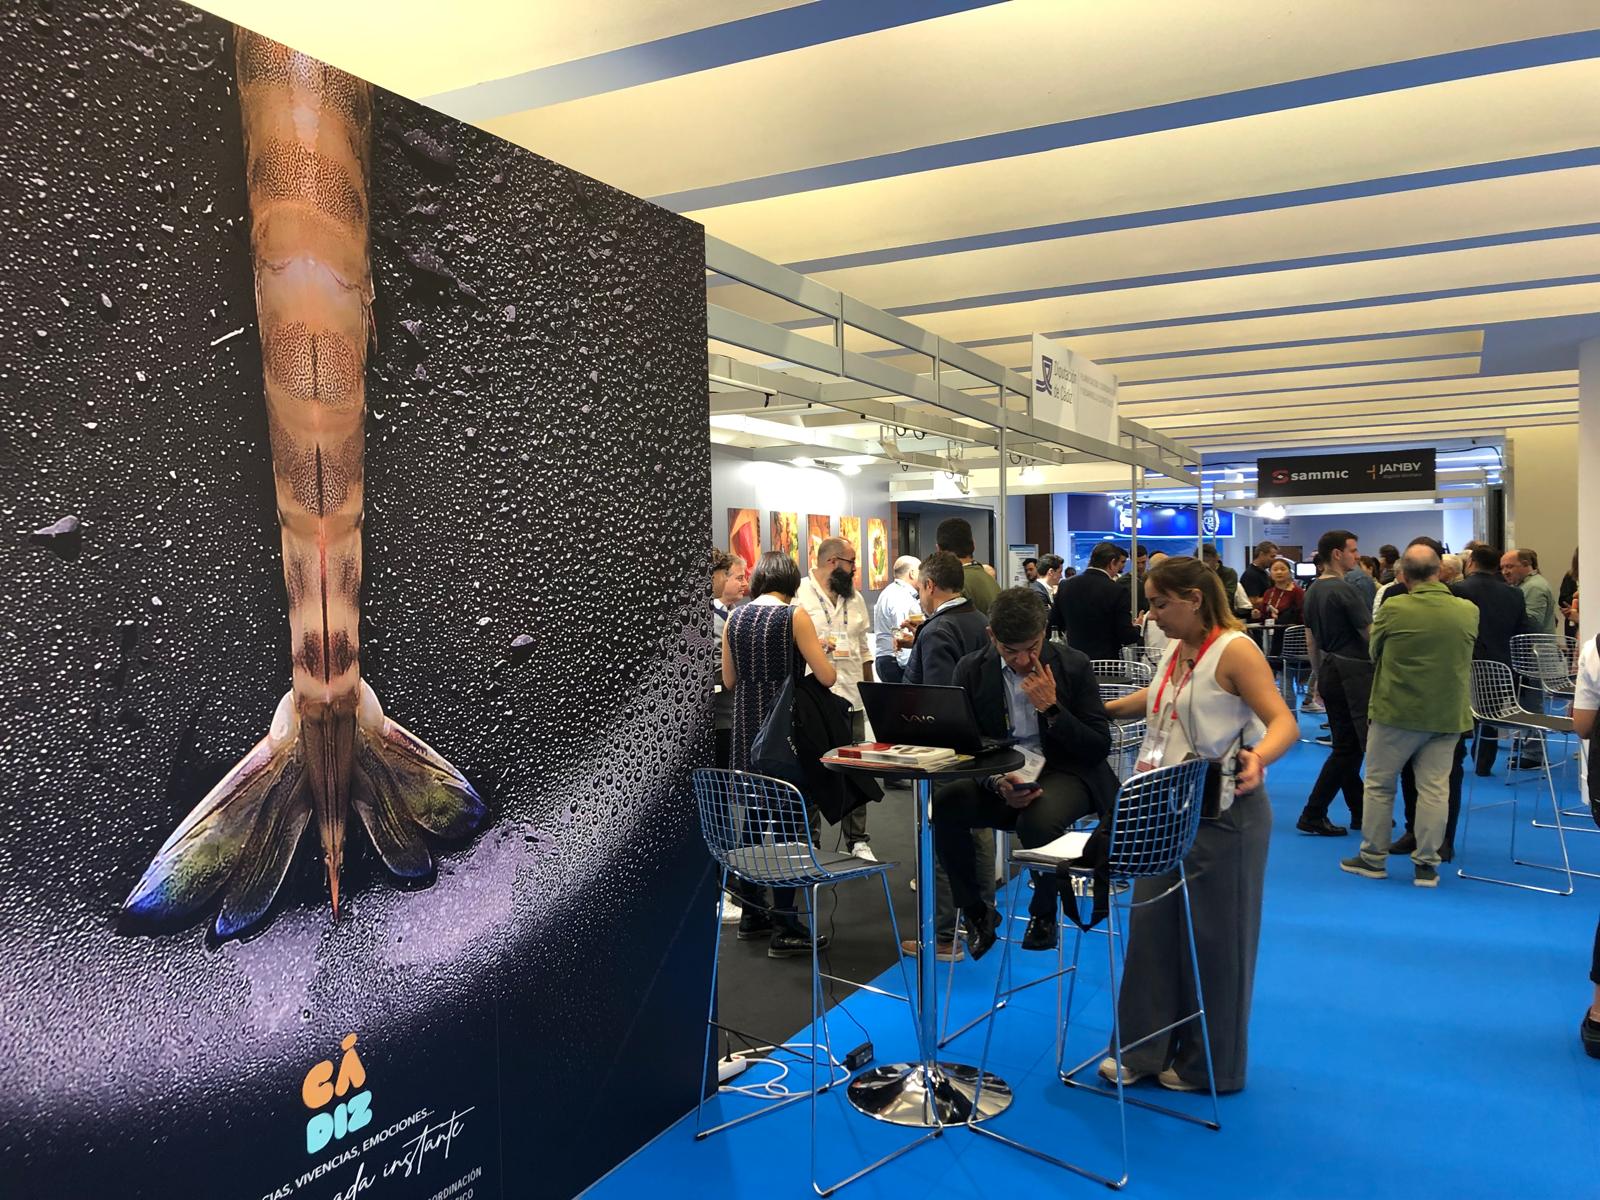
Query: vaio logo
x=321, y=1087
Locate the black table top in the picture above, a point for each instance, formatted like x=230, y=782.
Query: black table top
x=992, y=762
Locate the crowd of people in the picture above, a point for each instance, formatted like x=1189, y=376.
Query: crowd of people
x=1390, y=641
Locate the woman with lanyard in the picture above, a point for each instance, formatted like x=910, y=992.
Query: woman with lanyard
x=1282, y=605
x=1216, y=699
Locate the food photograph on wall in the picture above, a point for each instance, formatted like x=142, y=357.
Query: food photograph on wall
x=314, y=426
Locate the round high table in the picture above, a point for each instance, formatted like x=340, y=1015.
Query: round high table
x=929, y=1092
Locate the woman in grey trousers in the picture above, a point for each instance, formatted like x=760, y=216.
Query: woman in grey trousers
x=1215, y=698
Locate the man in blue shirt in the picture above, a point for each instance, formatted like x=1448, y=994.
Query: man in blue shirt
x=895, y=603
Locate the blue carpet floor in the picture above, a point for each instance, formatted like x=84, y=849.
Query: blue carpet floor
x=1403, y=1042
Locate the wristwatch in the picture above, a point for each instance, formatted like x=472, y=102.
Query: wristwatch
x=1051, y=713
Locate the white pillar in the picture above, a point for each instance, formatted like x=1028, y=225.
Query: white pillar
x=1588, y=497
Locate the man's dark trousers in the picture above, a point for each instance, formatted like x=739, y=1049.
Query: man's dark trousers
x=969, y=804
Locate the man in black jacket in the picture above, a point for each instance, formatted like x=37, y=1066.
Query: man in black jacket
x=953, y=628
x=1502, y=614
x=1257, y=579
x=1094, y=610
x=1025, y=688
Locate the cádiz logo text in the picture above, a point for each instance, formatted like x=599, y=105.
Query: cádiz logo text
x=322, y=1086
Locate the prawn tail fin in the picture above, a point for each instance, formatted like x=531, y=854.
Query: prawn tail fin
x=266, y=858
x=406, y=789
x=237, y=841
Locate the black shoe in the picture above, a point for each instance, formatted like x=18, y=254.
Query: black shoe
x=1483, y=772
x=791, y=941
x=980, y=925
x=897, y=785
x=1357, y=865
x=1319, y=827
x=1589, y=1031
x=753, y=923
x=1447, y=853
x=1042, y=934
x=1405, y=844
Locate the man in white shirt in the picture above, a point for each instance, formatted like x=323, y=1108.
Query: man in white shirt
x=895, y=603
x=829, y=596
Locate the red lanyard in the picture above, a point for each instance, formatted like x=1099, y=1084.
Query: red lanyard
x=1173, y=662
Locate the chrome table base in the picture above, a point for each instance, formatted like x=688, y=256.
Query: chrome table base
x=900, y=1094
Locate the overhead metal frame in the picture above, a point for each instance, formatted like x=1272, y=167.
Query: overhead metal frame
x=862, y=380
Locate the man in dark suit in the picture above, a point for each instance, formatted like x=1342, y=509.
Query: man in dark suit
x=1502, y=614
x=1093, y=609
x=952, y=628
x=1046, y=698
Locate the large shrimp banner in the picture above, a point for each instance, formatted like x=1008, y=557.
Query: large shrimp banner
x=346, y=848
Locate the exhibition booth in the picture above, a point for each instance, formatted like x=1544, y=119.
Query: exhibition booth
x=360, y=676
x=343, y=961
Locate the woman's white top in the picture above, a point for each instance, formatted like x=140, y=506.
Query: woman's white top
x=1210, y=720
x=1587, y=695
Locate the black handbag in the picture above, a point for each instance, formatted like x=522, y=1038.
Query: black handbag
x=1095, y=859
x=773, y=752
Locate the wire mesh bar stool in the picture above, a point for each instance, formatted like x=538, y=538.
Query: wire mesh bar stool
x=1009, y=918
x=1143, y=652
x=1153, y=826
x=756, y=829
x=1115, y=679
x=1548, y=662
x=1498, y=709
x=1295, y=657
x=1011, y=915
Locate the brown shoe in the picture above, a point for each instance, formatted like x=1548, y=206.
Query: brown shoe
x=943, y=950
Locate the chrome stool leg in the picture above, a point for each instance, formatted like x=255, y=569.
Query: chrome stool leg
x=1466, y=816
x=1006, y=978
x=711, y=1009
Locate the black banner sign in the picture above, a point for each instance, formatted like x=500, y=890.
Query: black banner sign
x=1346, y=474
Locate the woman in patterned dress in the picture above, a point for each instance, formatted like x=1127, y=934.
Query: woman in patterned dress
x=763, y=644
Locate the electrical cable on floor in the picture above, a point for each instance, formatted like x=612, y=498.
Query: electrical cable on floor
x=773, y=1089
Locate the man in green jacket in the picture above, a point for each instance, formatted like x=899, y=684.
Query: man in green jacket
x=955, y=535
x=1521, y=569
x=1421, y=650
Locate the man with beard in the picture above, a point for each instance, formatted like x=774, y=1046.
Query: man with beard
x=829, y=596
